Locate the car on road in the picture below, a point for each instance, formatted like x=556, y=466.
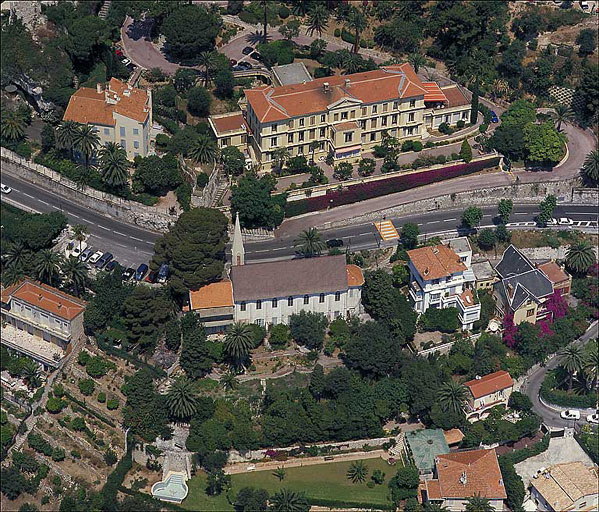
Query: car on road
x=152, y=276
x=242, y=66
x=593, y=418
x=565, y=221
x=101, y=263
x=162, y=273
x=141, y=271
x=334, y=242
x=85, y=255
x=119, y=52
x=494, y=118
x=126, y=62
x=78, y=248
x=95, y=257
x=570, y=414
x=247, y=50
x=5, y=189
x=110, y=266
x=256, y=56
x=128, y=274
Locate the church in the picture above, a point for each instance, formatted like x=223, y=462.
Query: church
x=269, y=293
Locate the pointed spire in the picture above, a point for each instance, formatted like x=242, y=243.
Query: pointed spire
x=237, y=251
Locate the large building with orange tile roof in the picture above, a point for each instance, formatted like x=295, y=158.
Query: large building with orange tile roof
x=118, y=112
x=487, y=392
x=441, y=277
x=40, y=321
x=345, y=116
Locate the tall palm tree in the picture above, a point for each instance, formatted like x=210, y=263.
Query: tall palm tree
x=86, y=142
x=30, y=372
x=351, y=63
x=206, y=61
x=591, y=363
x=13, y=126
x=499, y=88
x=561, y=114
x=452, y=396
x=12, y=275
x=286, y=500
x=356, y=21
x=203, y=150
x=264, y=4
x=47, y=267
x=228, y=381
x=310, y=243
x=357, y=472
x=79, y=234
x=590, y=168
x=83, y=176
x=318, y=19
x=579, y=257
x=74, y=272
x=181, y=399
x=114, y=164
x=314, y=145
x=571, y=360
x=280, y=156
x=238, y=343
x=300, y=7
x=17, y=255
x=66, y=134
x=417, y=60
x=477, y=503
x=434, y=507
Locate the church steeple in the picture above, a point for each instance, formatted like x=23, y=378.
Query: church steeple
x=237, y=251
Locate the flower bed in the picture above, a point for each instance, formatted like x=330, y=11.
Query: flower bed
x=363, y=191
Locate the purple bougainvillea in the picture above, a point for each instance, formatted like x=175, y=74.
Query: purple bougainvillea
x=509, y=330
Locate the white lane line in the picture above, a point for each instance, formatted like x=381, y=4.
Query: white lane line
x=138, y=239
x=102, y=227
x=149, y=243
x=43, y=202
x=117, y=233
x=447, y=220
x=73, y=215
x=28, y=195
x=521, y=213
x=420, y=224
x=85, y=220
x=434, y=222
x=362, y=234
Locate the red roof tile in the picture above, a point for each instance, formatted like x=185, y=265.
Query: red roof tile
x=455, y=96
x=436, y=262
x=433, y=93
x=229, y=123
x=490, y=383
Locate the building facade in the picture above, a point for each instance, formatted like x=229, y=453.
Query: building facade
x=41, y=322
x=119, y=113
x=487, y=392
x=484, y=275
x=440, y=277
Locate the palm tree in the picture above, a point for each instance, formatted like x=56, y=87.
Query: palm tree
x=86, y=142
x=83, y=176
x=30, y=372
x=351, y=63
x=417, y=60
x=264, y=4
x=79, y=234
x=562, y=114
x=75, y=273
x=206, y=60
x=181, y=399
x=286, y=500
x=499, y=88
x=580, y=257
x=114, y=164
x=238, y=343
x=13, y=126
x=203, y=150
x=357, y=472
x=590, y=168
x=356, y=21
x=12, y=275
x=66, y=134
x=571, y=360
x=228, y=381
x=318, y=19
x=591, y=362
x=310, y=242
x=300, y=7
x=314, y=145
x=47, y=267
x=280, y=156
x=280, y=473
x=452, y=396
x=477, y=503
x=17, y=255
x=434, y=507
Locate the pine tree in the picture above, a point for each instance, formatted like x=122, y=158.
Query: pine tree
x=317, y=381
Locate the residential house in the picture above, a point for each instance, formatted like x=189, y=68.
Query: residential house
x=214, y=305
x=565, y=487
x=40, y=321
x=119, y=113
x=230, y=129
x=559, y=278
x=486, y=392
x=484, y=274
x=461, y=475
x=441, y=278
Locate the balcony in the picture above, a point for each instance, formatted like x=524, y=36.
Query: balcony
x=32, y=346
x=35, y=323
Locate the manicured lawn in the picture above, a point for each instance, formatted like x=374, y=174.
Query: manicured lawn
x=322, y=481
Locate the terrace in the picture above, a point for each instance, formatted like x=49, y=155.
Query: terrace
x=45, y=352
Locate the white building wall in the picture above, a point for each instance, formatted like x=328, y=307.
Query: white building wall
x=41, y=318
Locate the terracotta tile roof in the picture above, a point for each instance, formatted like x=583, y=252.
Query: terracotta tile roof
x=453, y=436
x=90, y=106
x=464, y=474
x=566, y=483
x=228, y=123
x=436, y=261
x=388, y=83
x=355, y=277
x=455, y=96
x=433, y=93
x=348, y=125
x=433, y=489
x=214, y=295
x=490, y=383
x=46, y=298
x=554, y=272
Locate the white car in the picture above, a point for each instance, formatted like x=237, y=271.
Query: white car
x=593, y=418
x=98, y=254
x=126, y=62
x=78, y=248
x=5, y=189
x=564, y=221
x=570, y=414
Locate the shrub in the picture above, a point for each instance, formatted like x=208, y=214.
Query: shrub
x=337, y=32
x=110, y=457
x=366, y=167
x=97, y=366
x=75, y=454
x=202, y=180
x=343, y=171
x=112, y=404
x=483, y=128
x=78, y=424
x=552, y=395
x=86, y=386
x=83, y=357
x=55, y=405
x=441, y=159
x=58, y=454
x=348, y=37
x=416, y=146
x=101, y=397
x=407, y=145
x=379, y=151
x=445, y=129
x=58, y=390
x=460, y=124
x=279, y=336
x=198, y=101
x=444, y=320
x=284, y=12
x=308, y=329
x=466, y=151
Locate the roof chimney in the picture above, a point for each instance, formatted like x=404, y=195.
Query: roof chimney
x=464, y=478
x=127, y=92
x=99, y=88
x=59, y=305
x=39, y=297
x=347, y=82
x=325, y=87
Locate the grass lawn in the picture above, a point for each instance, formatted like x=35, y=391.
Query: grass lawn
x=322, y=481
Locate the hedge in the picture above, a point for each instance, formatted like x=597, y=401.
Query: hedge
x=116, y=478
x=559, y=397
x=148, y=499
x=123, y=354
x=324, y=502
x=589, y=441
x=519, y=455
x=363, y=191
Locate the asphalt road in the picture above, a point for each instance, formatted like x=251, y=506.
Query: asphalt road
x=535, y=379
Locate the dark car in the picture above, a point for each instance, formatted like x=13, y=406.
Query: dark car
x=233, y=62
x=128, y=274
x=334, y=242
x=110, y=266
x=244, y=65
x=85, y=255
x=256, y=56
x=104, y=259
x=141, y=271
x=163, y=273
x=152, y=276
x=494, y=118
x=247, y=50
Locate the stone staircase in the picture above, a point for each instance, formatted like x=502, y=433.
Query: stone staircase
x=220, y=193
x=104, y=10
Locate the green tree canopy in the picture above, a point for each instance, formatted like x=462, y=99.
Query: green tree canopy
x=256, y=207
x=543, y=143
x=157, y=175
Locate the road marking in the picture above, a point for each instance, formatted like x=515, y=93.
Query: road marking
x=117, y=233
x=28, y=195
x=85, y=220
x=43, y=202
x=420, y=224
x=434, y=222
x=522, y=213
x=102, y=227
x=362, y=234
x=448, y=220
x=73, y=215
x=387, y=230
x=138, y=239
x=150, y=243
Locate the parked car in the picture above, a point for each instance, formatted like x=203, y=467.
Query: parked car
x=152, y=276
x=126, y=62
x=494, y=118
x=245, y=65
x=128, y=273
x=565, y=221
x=78, y=248
x=101, y=263
x=95, y=257
x=256, y=56
x=162, y=273
x=118, y=52
x=247, y=50
x=5, y=188
x=110, y=266
x=593, y=418
x=86, y=254
x=570, y=414
x=141, y=271
x=233, y=62
x=334, y=242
